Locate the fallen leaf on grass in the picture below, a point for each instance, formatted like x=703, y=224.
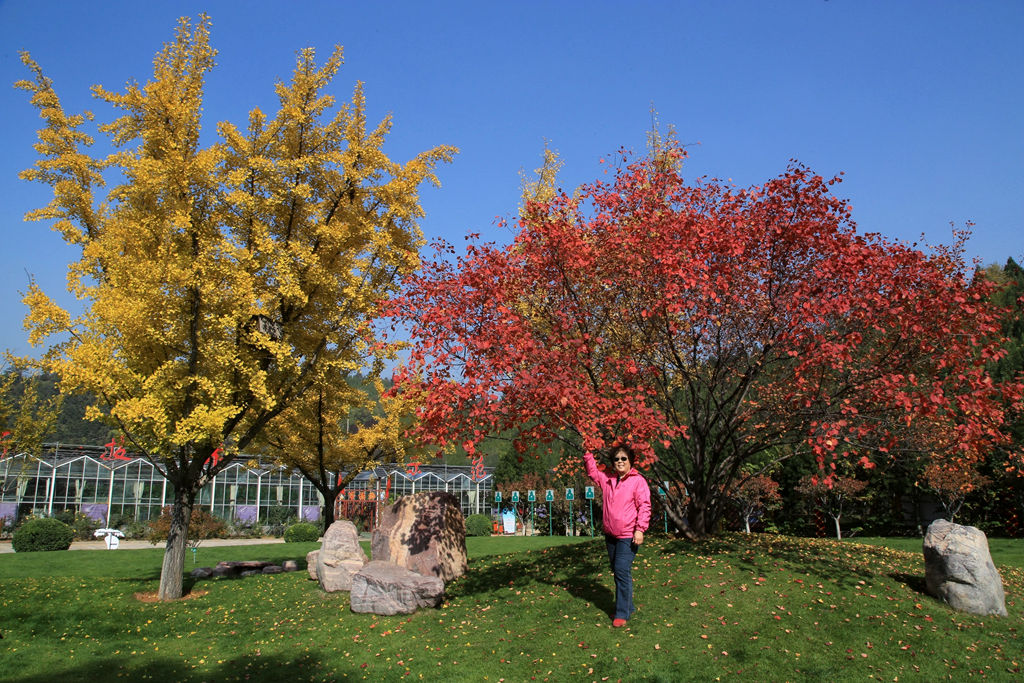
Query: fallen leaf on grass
x=154, y=596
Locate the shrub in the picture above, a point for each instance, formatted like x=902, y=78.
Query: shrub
x=279, y=518
x=302, y=532
x=243, y=529
x=82, y=525
x=478, y=525
x=42, y=533
x=67, y=516
x=131, y=527
x=275, y=530
x=201, y=525
x=280, y=515
x=134, y=529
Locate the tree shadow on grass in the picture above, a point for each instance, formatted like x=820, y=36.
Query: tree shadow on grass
x=188, y=581
x=914, y=582
x=842, y=563
x=574, y=568
x=159, y=669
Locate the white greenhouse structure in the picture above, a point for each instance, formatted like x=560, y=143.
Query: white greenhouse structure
x=79, y=478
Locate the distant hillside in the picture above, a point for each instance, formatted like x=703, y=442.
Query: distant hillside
x=72, y=427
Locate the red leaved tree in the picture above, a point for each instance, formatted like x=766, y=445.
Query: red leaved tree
x=753, y=495
x=952, y=485
x=707, y=326
x=831, y=496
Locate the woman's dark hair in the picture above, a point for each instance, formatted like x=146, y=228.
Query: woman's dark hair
x=625, y=449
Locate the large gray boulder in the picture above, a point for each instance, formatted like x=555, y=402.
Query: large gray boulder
x=424, y=532
x=387, y=589
x=958, y=569
x=340, y=557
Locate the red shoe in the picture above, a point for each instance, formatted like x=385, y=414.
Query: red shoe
x=618, y=623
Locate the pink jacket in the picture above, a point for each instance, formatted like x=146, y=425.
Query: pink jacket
x=627, y=501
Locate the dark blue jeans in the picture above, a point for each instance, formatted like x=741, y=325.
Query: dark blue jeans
x=621, y=552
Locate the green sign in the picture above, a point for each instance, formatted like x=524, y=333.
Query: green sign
x=497, y=496
x=531, y=496
x=569, y=495
x=515, y=496
x=589, y=492
x=549, y=495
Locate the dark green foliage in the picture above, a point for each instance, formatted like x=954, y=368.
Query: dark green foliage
x=1011, y=276
x=1001, y=504
x=71, y=427
x=279, y=517
x=303, y=532
x=280, y=514
x=478, y=525
x=131, y=527
x=81, y=524
x=513, y=466
x=1010, y=366
x=42, y=533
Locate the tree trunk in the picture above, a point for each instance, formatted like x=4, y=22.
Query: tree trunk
x=330, y=501
x=174, y=551
x=839, y=534
x=692, y=520
x=746, y=522
x=676, y=511
x=697, y=516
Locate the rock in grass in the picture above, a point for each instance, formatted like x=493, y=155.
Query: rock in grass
x=385, y=588
x=311, y=563
x=424, y=532
x=340, y=557
x=290, y=566
x=240, y=568
x=959, y=570
x=202, y=572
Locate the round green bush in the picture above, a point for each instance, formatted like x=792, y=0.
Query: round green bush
x=42, y=534
x=303, y=532
x=478, y=525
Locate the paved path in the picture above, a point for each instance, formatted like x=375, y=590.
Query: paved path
x=5, y=546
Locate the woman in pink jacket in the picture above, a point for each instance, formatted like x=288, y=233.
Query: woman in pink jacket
x=627, y=512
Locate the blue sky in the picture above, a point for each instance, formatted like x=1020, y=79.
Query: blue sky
x=918, y=103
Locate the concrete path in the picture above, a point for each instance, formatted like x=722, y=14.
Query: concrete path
x=5, y=546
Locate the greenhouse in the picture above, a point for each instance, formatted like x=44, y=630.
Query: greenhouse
x=86, y=479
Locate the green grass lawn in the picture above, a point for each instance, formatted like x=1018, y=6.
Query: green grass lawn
x=1007, y=552
x=744, y=608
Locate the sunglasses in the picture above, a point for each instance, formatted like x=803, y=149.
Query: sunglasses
x=620, y=459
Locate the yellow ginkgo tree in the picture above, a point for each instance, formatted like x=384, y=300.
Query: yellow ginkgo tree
x=218, y=283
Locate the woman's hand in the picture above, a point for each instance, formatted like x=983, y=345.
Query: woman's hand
x=638, y=537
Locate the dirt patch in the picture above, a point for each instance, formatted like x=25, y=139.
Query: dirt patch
x=152, y=596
